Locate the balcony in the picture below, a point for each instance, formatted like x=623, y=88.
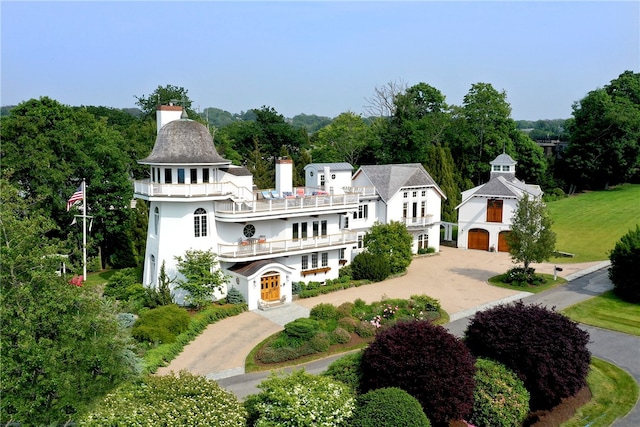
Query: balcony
x=252, y=249
x=418, y=222
x=231, y=211
x=146, y=188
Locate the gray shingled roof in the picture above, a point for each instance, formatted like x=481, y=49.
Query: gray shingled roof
x=340, y=166
x=184, y=141
x=504, y=188
x=389, y=179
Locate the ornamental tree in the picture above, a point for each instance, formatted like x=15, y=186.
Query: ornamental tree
x=201, y=277
x=547, y=350
x=426, y=361
x=531, y=238
x=391, y=241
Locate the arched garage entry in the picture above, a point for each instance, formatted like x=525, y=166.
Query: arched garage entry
x=503, y=246
x=478, y=239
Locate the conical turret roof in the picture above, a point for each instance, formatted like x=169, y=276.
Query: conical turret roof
x=184, y=142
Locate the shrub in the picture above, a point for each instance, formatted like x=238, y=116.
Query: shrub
x=324, y=311
x=520, y=276
x=389, y=407
x=365, y=329
x=500, y=398
x=126, y=320
x=161, y=324
x=341, y=336
x=347, y=370
x=118, y=283
x=547, y=350
x=424, y=303
x=366, y=266
x=296, y=287
x=300, y=399
x=304, y=328
x=345, y=309
x=625, y=262
x=428, y=362
x=348, y=324
x=280, y=354
x=235, y=297
x=161, y=400
x=320, y=342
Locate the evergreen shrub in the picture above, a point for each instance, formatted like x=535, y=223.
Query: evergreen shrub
x=118, y=284
x=367, y=266
x=625, y=267
x=548, y=351
x=428, y=362
x=161, y=324
x=345, y=310
x=303, y=327
x=235, y=297
x=389, y=406
x=500, y=398
x=320, y=342
x=365, y=329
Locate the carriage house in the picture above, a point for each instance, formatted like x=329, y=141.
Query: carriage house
x=265, y=240
x=485, y=213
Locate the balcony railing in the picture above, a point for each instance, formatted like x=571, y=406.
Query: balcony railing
x=255, y=247
x=418, y=222
x=153, y=189
x=287, y=204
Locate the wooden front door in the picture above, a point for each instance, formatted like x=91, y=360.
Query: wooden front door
x=270, y=287
x=503, y=246
x=478, y=239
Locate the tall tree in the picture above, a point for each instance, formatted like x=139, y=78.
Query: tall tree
x=605, y=135
x=442, y=169
x=62, y=345
x=342, y=140
x=50, y=148
x=175, y=95
x=531, y=238
x=487, y=117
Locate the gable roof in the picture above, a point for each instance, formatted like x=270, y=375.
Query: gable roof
x=501, y=188
x=389, y=179
x=340, y=166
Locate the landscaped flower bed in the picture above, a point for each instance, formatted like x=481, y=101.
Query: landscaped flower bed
x=333, y=329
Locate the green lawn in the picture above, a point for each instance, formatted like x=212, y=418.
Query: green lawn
x=607, y=311
x=614, y=392
x=589, y=224
x=548, y=284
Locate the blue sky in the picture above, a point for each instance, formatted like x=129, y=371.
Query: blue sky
x=320, y=58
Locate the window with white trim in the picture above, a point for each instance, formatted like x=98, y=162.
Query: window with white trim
x=305, y=262
x=325, y=259
x=200, y=223
x=314, y=260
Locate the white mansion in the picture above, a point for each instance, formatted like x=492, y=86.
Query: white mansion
x=267, y=239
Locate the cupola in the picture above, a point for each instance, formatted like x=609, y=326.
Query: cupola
x=503, y=165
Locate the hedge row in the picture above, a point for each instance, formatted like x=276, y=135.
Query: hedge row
x=164, y=353
x=327, y=289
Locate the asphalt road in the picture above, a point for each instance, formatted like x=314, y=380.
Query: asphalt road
x=620, y=349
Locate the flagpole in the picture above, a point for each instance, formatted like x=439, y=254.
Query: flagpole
x=84, y=230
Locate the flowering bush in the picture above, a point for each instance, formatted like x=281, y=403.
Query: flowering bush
x=300, y=399
x=500, y=398
x=76, y=281
x=184, y=400
x=520, y=276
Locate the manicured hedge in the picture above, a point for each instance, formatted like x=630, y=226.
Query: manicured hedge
x=161, y=325
x=388, y=407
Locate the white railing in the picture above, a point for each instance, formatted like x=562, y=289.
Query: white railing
x=363, y=191
x=284, y=204
x=256, y=247
x=154, y=189
x=422, y=221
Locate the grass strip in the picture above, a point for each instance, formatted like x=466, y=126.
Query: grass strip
x=614, y=393
x=607, y=311
x=549, y=283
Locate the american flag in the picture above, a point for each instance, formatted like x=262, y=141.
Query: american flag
x=77, y=196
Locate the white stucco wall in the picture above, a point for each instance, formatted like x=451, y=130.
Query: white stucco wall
x=473, y=214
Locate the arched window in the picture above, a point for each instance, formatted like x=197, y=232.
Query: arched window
x=152, y=267
x=200, y=222
x=156, y=220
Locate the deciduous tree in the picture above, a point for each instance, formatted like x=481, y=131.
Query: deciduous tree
x=202, y=276
x=391, y=241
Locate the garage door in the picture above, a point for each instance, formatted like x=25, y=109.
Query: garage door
x=503, y=246
x=478, y=239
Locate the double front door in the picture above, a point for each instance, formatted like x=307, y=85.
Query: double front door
x=270, y=287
